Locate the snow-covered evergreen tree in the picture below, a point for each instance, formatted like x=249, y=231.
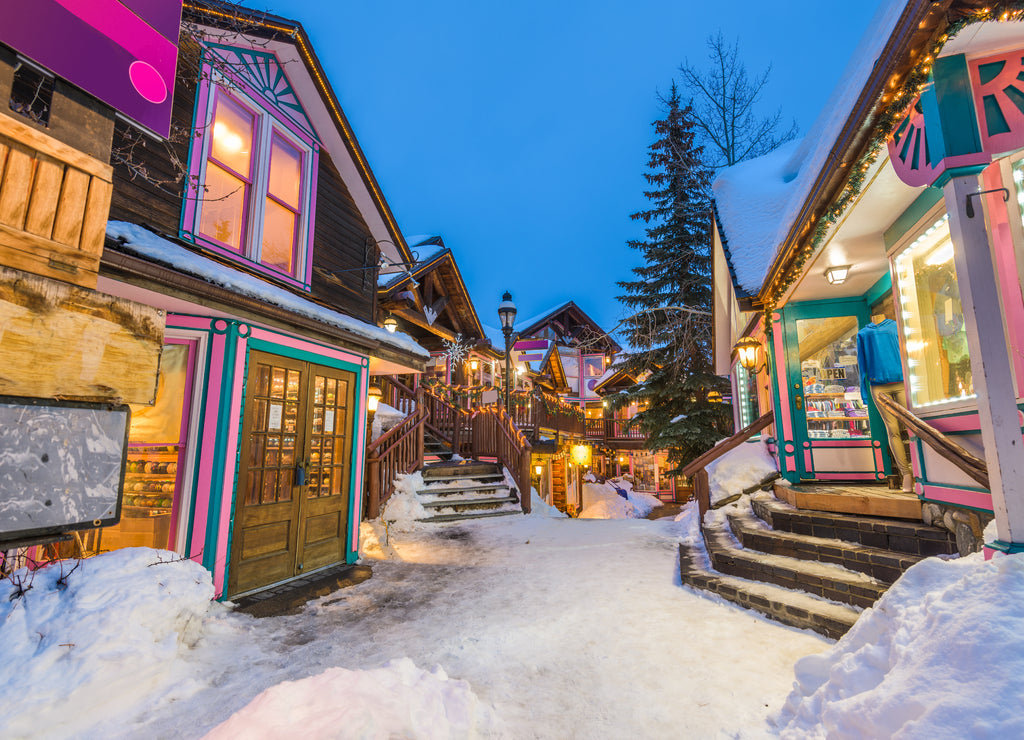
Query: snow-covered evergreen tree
x=668, y=327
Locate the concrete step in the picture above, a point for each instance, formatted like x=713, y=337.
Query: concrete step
x=828, y=581
x=916, y=538
x=794, y=608
x=494, y=478
x=883, y=565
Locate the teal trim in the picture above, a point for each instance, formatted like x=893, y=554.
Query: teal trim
x=968, y=489
x=195, y=457
x=358, y=462
x=793, y=312
x=1010, y=548
x=906, y=221
x=304, y=355
x=219, y=456
x=966, y=171
x=879, y=290
x=949, y=110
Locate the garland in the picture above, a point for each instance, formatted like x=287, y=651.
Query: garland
x=885, y=124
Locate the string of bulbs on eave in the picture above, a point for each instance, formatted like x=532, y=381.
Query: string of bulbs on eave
x=893, y=107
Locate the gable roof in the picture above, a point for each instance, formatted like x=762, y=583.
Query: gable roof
x=763, y=203
x=570, y=310
x=290, y=42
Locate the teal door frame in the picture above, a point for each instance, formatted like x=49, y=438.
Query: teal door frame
x=791, y=313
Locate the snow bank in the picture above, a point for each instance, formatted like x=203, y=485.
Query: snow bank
x=603, y=501
x=939, y=655
x=398, y=700
x=540, y=507
x=403, y=510
x=97, y=641
x=743, y=467
x=384, y=418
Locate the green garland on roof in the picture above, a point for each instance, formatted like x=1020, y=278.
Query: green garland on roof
x=885, y=124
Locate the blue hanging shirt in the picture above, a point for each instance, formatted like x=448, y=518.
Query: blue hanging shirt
x=878, y=354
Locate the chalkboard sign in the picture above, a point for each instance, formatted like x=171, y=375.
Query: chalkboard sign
x=61, y=466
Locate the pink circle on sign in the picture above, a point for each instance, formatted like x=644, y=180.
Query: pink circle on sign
x=147, y=81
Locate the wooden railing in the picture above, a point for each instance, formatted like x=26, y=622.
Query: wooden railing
x=54, y=203
x=447, y=422
x=399, y=451
x=494, y=434
x=535, y=414
x=397, y=394
x=698, y=468
x=612, y=429
x=972, y=466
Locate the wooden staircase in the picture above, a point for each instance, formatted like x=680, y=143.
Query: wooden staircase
x=435, y=449
x=454, y=491
x=809, y=569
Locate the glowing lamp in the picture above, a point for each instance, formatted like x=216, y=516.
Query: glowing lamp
x=538, y=469
x=747, y=349
x=474, y=365
x=581, y=454
x=373, y=398
x=391, y=324
x=837, y=275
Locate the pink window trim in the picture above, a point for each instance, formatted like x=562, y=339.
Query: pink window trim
x=197, y=160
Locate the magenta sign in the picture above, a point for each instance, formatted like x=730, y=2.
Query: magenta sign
x=121, y=51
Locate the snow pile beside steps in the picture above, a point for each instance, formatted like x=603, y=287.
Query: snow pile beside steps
x=937, y=656
x=103, y=635
x=398, y=700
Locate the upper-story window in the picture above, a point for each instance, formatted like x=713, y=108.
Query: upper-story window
x=253, y=162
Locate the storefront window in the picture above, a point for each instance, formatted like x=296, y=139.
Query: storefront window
x=831, y=378
x=933, y=323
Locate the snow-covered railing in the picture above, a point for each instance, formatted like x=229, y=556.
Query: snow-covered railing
x=398, y=451
x=698, y=468
x=495, y=434
x=397, y=394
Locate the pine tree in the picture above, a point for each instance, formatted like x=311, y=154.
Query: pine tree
x=669, y=326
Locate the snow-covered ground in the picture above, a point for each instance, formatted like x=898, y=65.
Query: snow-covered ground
x=525, y=626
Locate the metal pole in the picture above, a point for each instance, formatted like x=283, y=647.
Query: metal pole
x=508, y=368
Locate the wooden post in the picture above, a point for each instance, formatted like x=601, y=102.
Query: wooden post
x=702, y=490
x=990, y=364
x=524, y=474
x=373, y=488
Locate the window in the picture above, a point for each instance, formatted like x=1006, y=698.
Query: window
x=933, y=324
x=257, y=170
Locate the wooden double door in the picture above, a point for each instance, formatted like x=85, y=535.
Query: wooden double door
x=295, y=470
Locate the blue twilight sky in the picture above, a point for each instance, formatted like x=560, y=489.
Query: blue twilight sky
x=518, y=131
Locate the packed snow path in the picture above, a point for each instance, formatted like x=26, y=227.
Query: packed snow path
x=566, y=628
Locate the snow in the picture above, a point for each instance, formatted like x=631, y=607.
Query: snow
x=144, y=243
x=740, y=468
x=603, y=501
x=384, y=418
x=759, y=200
x=935, y=657
x=527, y=626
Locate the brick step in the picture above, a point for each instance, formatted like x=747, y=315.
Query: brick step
x=794, y=608
x=916, y=538
x=828, y=581
x=440, y=518
x=883, y=565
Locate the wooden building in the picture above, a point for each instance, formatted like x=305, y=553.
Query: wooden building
x=257, y=232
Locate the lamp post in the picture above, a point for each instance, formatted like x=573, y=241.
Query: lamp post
x=507, y=314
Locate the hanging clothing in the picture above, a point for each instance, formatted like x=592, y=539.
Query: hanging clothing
x=878, y=354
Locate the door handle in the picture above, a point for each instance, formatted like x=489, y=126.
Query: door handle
x=300, y=473
x=798, y=401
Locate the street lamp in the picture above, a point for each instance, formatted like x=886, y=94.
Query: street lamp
x=507, y=314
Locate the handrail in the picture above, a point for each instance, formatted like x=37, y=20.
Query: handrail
x=698, y=468
x=397, y=394
x=398, y=451
x=972, y=465
x=730, y=443
x=495, y=434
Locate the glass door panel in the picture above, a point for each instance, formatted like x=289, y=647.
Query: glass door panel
x=830, y=379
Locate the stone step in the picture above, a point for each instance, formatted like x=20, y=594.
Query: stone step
x=794, y=608
x=494, y=478
x=832, y=582
x=465, y=504
x=916, y=538
x=884, y=565
x=439, y=518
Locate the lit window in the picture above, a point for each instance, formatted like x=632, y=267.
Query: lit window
x=257, y=199
x=933, y=323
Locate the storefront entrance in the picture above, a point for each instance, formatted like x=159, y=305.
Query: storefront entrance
x=295, y=471
x=837, y=434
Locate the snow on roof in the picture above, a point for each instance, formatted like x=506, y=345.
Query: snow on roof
x=496, y=338
x=424, y=248
x=759, y=200
x=527, y=323
x=144, y=243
